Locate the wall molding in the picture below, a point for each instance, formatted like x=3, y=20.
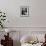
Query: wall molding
x=24, y=27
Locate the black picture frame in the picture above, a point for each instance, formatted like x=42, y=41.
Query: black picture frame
x=24, y=11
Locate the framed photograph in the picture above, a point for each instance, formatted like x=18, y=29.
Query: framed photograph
x=24, y=11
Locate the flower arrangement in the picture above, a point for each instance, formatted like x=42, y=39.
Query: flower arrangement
x=2, y=19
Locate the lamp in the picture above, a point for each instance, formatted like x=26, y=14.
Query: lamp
x=7, y=31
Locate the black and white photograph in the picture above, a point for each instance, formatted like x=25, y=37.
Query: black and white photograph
x=24, y=11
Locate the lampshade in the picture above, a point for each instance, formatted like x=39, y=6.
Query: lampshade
x=7, y=30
